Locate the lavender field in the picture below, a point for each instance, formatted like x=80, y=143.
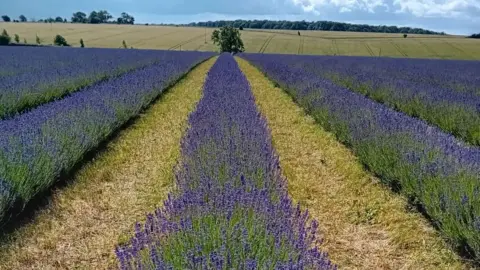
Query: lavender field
x=233, y=200
x=436, y=171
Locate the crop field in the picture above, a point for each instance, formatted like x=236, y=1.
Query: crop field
x=256, y=41
x=188, y=159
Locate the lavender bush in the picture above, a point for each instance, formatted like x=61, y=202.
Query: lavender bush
x=231, y=209
x=444, y=93
x=436, y=171
x=30, y=76
x=38, y=146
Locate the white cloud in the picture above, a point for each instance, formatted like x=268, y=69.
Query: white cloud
x=439, y=8
x=341, y=5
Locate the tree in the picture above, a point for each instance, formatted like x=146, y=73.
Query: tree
x=124, y=44
x=65, y=20
x=4, y=38
x=241, y=28
x=79, y=17
x=22, y=18
x=5, y=18
x=25, y=40
x=104, y=16
x=125, y=19
x=60, y=41
x=93, y=18
x=228, y=39
x=58, y=19
x=81, y=43
x=17, y=38
x=405, y=35
x=298, y=33
x=38, y=40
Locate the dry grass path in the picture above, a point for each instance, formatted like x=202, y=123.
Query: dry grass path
x=365, y=226
x=88, y=218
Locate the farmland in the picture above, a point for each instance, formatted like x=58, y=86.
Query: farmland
x=184, y=158
x=263, y=41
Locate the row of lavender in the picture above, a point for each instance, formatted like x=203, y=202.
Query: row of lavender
x=443, y=93
x=31, y=76
x=231, y=209
x=435, y=170
x=39, y=146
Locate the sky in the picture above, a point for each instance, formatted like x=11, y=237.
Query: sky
x=450, y=16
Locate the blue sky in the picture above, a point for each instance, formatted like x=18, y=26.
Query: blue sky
x=451, y=16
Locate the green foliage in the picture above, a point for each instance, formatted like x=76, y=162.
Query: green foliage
x=241, y=28
x=405, y=35
x=38, y=40
x=60, y=41
x=58, y=19
x=79, y=17
x=125, y=18
x=4, y=38
x=474, y=36
x=22, y=18
x=124, y=44
x=299, y=33
x=25, y=40
x=5, y=18
x=81, y=43
x=318, y=25
x=17, y=38
x=228, y=39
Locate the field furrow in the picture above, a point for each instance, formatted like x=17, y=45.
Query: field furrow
x=85, y=220
x=363, y=225
x=436, y=172
x=39, y=147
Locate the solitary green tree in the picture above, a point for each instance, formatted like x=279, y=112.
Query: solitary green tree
x=405, y=35
x=228, y=39
x=81, y=43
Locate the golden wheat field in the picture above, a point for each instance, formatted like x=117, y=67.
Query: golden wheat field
x=263, y=41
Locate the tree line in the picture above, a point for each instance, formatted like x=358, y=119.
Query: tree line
x=318, y=25
x=95, y=17
x=475, y=36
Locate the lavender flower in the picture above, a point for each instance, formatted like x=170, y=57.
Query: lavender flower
x=231, y=191
x=428, y=165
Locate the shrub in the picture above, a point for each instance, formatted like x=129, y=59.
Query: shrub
x=405, y=35
x=241, y=28
x=81, y=43
x=60, y=41
x=25, y=40
x=124, y=44
x=38, y=40
x=17, y=38
x=4, y=38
